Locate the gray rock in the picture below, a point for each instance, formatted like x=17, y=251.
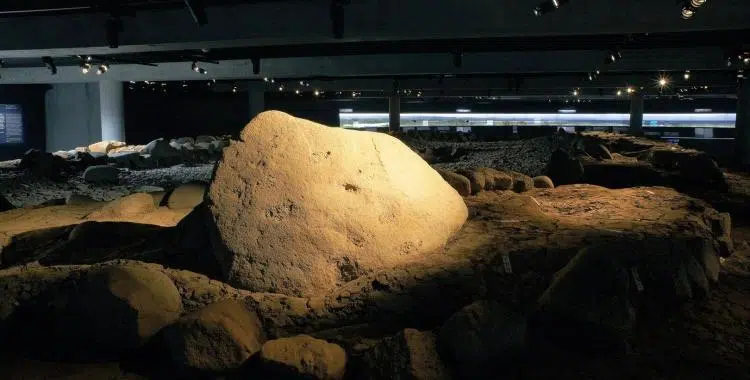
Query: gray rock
x=543, y=182
x=587, y=306
x=219, y=337
x=410, y=354
x=205, y=139
x=459, y=182
x=303, y=357
x=481, y=334
x=101, y=174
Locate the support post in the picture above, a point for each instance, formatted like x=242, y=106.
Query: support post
x=394, y=110
x=742, y=126
x=256, y=93
x=111, y=105
x=636, y=114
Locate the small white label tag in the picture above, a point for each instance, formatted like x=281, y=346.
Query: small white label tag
x=636, y=279
x=506, y=264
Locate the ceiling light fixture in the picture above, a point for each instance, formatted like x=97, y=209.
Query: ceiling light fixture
x=50, y=64
x=697, y=3
x=687, y=12
x=548, y=6
x=613, y=56
x=85, y=68
x=686, y=75
x=619, y=92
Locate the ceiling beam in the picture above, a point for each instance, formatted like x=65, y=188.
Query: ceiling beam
x=508, y=63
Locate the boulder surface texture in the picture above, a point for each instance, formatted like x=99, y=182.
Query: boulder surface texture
x=297, y=207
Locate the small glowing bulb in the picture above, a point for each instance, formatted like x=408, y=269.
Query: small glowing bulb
x=687, y=75
x=234, y=89
x=296, y=92
x=265, y=79
x=555, y=3
x=619, y=92
x=316, y=93
x=575, y=92
x=630, y=90
x=281, y=88
x=662, y=82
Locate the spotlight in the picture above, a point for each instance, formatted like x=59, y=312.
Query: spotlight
x=630, y=90
x=597, y=72
x=104, y=66
x=281, y=88
x=47, y=61
x=697, y=3
x=301, y=83
x=265, y=79
x=273, y=80
x=85, y=68
x=686, y=75
x=619, y=92
x=663, y=81
x=234, y=89
x=613, y=56
x=746, y=60
x=548, y=6
x=296, y=91
x=316, y=92
x=195, y=67
x=687, y=12
x=575, y=92
x=591, y=76
x=741, y=74
x=88, y=58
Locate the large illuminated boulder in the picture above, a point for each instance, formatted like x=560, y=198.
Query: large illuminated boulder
x=297, y=207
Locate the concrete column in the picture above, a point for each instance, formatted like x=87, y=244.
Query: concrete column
x=256, y=92
x=742, y=126
x=636, y=114
x=73, y=116
x=394, y=112
x=112, y=109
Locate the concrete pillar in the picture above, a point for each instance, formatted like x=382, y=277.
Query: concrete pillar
x=636, y=114
x=394, y=113
x=112, y=110
x=742, y=126
x=256, y=92
x=73, y=116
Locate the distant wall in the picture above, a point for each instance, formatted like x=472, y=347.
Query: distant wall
x=73, y=116
x=31, y=99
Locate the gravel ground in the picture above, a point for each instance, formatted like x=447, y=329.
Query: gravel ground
x=25, y=189
x=529, y=157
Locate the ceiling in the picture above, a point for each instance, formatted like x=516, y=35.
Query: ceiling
x=492, y=42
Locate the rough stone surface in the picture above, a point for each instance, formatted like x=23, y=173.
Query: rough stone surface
x=187, y=196
x=459, y=182
x=410, y=354
x=543, y=182
x=105, y=146
x=303, y=357
x=578, y=315
x=564, y=169
x=127, y=206
x=101, y=174
x=219, y=337
x=481, y=334
x=5, y=205
x=297, y=207
x=108, y=312
x=476, y=179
